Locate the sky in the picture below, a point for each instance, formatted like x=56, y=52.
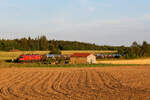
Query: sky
x=104, y=22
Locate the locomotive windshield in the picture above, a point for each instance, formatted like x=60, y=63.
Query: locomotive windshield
x=21, y=56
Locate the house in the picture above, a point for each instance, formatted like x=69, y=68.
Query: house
x=82, y=58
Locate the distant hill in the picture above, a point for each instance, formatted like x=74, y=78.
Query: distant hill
x=76, y=45
x=41, y=43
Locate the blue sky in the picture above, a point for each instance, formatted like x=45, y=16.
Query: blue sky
x=109, y=22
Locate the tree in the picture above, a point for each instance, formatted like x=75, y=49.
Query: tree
x=135, y=49
x=121, y=50
x=134, y=44
x=54, y=48
x=55, y=51
x=24, y=43
x=145, y=49
x=43, y=43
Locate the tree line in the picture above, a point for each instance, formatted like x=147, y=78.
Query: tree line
x=25, y=44
x=41, y=43
x=135, y=50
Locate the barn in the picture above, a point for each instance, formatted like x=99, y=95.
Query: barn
x=82, y=58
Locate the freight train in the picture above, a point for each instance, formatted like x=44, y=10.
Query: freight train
x=102, y=56
x=41, y=58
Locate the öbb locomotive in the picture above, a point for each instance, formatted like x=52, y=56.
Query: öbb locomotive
x=30, y=58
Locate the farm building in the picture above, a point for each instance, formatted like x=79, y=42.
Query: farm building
x=82, y=58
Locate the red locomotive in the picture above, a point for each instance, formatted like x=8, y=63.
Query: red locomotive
x=30, y=58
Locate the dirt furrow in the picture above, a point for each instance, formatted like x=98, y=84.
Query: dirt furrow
x=75, y=84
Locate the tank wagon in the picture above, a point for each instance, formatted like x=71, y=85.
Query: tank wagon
x=102, y=56
x=30, y=58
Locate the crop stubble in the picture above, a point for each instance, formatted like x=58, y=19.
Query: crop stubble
x=112, y=83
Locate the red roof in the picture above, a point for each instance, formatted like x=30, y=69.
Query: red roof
x=80, y=54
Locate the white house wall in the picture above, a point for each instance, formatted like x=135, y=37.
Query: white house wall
x=91, y=59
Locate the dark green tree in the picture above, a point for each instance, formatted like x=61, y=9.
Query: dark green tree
x=145, y=49
x=43, y=42
x=54, y=48
x=135, y=49
x=55, y=51
x=24, y=43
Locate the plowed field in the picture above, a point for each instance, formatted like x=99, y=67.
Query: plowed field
x=111, y=83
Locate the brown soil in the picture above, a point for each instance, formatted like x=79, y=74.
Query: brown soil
x=111, y=83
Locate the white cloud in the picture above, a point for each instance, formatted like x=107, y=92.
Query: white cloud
x=7, y=4
x=147, y=16
x=87, y=5
x=83, y=2
x=110, y=32
x=91, y=9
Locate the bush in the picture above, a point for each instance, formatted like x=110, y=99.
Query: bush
x=55, y=51
x=50, y=60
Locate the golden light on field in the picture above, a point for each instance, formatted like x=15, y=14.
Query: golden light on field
x=125, y=83
x=13, y=55
x=87, y=51
x=131, y=61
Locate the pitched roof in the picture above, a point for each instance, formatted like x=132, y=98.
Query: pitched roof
x=80, y=54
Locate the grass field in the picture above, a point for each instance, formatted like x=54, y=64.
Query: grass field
x=13, y=55
x=113, y=83
x=108, y=80
x=143, y=61
x=40, y=65
x=87, y=51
